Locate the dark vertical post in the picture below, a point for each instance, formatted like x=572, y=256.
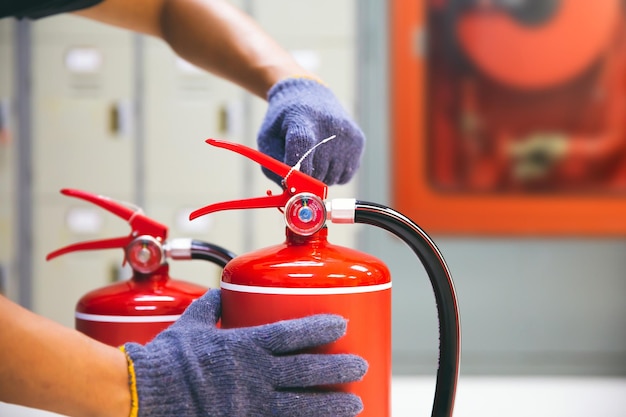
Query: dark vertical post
x=24, y=174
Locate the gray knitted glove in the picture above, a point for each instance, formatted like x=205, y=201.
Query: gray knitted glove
x=301, y=113
x=195, y=369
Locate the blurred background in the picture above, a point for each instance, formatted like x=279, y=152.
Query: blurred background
x=496, y=126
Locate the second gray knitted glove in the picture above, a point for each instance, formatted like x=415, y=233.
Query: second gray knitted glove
x=195, y=369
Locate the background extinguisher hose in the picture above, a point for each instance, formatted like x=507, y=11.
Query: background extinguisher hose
x=210, y=252
x=445, y=296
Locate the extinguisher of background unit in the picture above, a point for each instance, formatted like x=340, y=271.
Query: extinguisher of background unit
x=306, y=275
x=139, y=308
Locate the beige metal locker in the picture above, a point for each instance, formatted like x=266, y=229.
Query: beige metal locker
x=183, y=106
x=82, y=90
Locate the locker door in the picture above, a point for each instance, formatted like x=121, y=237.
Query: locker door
x=82, y=86
x=183, y=107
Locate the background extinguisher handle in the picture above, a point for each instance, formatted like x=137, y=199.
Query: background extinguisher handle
x=445, y=295
x=106, y=203
x=140, y=224
x=116, y=242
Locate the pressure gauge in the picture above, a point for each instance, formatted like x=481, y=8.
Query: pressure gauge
x=305, y=214
x=145, y=254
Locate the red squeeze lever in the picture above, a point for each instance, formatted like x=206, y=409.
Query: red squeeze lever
x=139, y=223
x=294, y=182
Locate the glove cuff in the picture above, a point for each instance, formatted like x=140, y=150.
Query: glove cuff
x=298, y=82
x=163, y=389
x=132, y=384
x=306, y=77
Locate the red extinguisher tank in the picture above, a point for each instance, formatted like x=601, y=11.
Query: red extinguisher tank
x=308, y=275
x=134, y=310
x=137, y=309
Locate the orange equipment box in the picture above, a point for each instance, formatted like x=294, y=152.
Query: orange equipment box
x=509, y=118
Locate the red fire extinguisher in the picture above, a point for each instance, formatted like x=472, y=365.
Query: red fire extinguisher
x=138, y=309
x=306, y=275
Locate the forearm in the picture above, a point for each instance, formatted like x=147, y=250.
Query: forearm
x=211, y=34
x=223, y=40
x=48, y=366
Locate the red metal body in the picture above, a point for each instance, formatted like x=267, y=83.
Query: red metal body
x=137, y=309
x=307, y=275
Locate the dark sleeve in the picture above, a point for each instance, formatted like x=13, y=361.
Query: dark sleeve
x=35, y=9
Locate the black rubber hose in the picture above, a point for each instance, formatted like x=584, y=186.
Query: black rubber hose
x=445, y=296
x=210, y=252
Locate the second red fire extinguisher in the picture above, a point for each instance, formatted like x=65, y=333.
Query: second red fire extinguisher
x=307, y=275
x=137, y=309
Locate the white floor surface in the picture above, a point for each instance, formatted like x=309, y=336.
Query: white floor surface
x=488, y=397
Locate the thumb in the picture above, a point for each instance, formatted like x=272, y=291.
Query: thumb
x=298, y=140
x=205, y=310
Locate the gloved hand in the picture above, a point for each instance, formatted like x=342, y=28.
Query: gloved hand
x=301, y=113
x=195, y=369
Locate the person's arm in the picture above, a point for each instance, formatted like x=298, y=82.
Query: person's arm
x=48, y=366
x=188, y=369
x=302, y=111
x=212, y=34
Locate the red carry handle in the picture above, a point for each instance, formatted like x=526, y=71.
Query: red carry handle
x=139, y=223
x=294, y=182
